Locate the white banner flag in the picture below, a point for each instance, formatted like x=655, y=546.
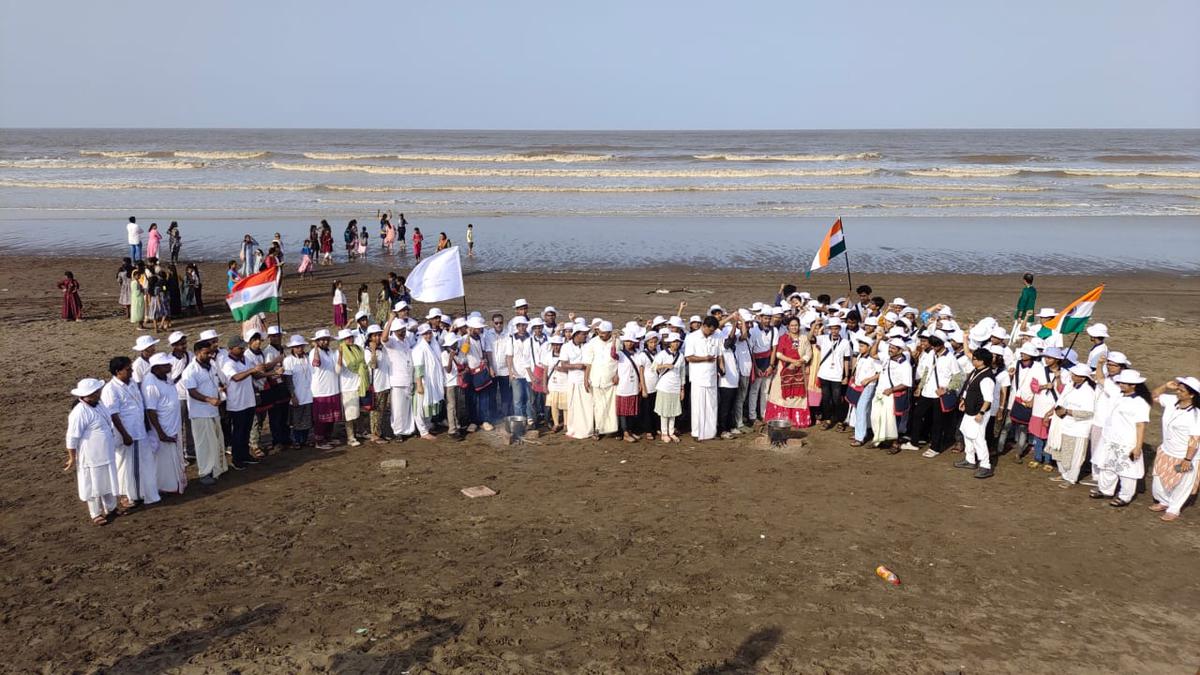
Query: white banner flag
x=437, y=278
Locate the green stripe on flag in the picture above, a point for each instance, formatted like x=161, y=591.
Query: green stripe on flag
x=837, y=248
x=245, y=312
x=1074, y=324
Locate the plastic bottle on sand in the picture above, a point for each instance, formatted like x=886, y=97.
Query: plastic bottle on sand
x=887, y=575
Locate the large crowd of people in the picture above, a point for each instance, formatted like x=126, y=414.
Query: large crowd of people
x=887, y=374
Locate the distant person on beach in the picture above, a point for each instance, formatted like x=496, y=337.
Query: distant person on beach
x=133, y=234
x=246, y=255
x=388, y=235
x=401, y=231
x=364, y=242
x=231, y=275
x=470, y=240
x=137, y=296
x=174, y=240
x=153, y=240
x=417, y=239
x=326, y=244
x=196, y=286
x=350, y=235
x=125, y=284
x=72, y=304
x=340, y=310
x=306, y=263
x=443, y=242
x=1026, y=302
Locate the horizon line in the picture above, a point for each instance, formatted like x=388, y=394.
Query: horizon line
x=585, y=130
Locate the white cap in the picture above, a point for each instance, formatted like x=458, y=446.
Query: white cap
x=897, y=342
x=832, y=322
x=449, y=340
x=444, y=317
x=423, y=329
x=606, y=326
x=1098, y=330
x=144, y=342
x=210, y=334
x=556, y=339
x=519, y=320
x=908, y=310
x=274, y=330
x=658, y=321
x=695, y=318
x=362, y=314
x=1081, y=369
x=520, y=302
x=344, y=334
x=476, y=322
x=549, y=309
x=651, y=335
x=1118, y=358
x=87, y=386
x=579, y=328
x=900, y=301
x=251, y=334
x=1129, y=376
x=946, y=311
x=162, y=359
x=995, y=349
x=1028, y=349
x=756, y=307
x=459, y=322
x=535, y=322
x=1047, y=313
x=671, y=337
x=320, y=334
x=716, y=308
x=1054, y=353
x=373, y=329
x=745, y=314
x=401, y=305
x=410, y=323
x=628, y=336
x=1191, y=383
x=999, y=332
x=296, y=341
x=676, y=322
x=399, y=326
x=176, y=337
x=871, y=321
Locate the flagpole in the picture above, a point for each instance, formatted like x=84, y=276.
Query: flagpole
x=846, y=255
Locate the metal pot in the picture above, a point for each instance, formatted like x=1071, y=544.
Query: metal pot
x=516, y=425
x=778, y=431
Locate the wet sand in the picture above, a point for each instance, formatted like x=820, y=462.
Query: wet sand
x=717, y=557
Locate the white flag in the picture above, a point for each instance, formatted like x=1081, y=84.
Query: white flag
x=437, y=278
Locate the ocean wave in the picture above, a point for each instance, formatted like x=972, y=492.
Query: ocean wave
x=1152, y=186
x=983, y=172
x=733, y=157
x=614, y=189
x=221, y=154
x=564, y=173
x=1145, y=159
x=126, y=163
x=561, y=157
x=1000, y=159
x=119, y=154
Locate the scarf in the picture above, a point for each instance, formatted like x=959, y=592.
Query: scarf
x=352, y=358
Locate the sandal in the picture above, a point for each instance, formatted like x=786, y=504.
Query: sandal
x=1096, y=494
x=100, y=521
x=1168, y=517
x=1047, y=468
x=930, y=453
x=1158, y=508
x=1117, y=503
x=855, y=444
x=665, y=438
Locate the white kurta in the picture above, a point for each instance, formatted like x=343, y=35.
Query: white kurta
x=599, y=355
x=160, y=396
x=1177, y=427
x=580, y=414
x=91, y=436
x=137, y=477
x=427, y=366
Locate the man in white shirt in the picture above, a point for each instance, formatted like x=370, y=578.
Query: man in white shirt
x=702, y=351
x=133, y=235
x=600, y=361
x=761, y=340
x=400, y=378
x=164, y=432
x=496, y=348
x=202, y=381
x=137, y=477
x=580, y=412
x=480, y=378
x=745, y=364
x=240, y=372
x=181, y=358
x=833, y=371
x=978, y=398
x=144, y=346
x=936, y=367
x=521, y=311
x=521, y=354
x=297, y=380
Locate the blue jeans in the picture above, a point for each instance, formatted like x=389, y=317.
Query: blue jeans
x=503, y=398
x=480, y=404
x=1039, y=451
x=522, y=399
x=135, y=252
x=862, y=413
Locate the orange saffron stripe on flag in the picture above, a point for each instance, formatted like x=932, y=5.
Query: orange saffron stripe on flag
x=1091, y=296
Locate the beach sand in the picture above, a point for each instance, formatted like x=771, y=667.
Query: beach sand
x=593, y=556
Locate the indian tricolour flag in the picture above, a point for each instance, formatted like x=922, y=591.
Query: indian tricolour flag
x=833, y=245
x=255, y=293
x=1074, y=318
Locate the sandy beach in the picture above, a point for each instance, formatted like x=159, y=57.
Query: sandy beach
x=594, y=556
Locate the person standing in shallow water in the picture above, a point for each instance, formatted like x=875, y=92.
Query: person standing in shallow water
x=174, y=240
x=417, y=238
x=470, y=240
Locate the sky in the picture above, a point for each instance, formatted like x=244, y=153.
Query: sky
x=614, y=64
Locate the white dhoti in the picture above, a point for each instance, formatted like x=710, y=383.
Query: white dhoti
x=210, y=446
x=580, y=414
x=402, y=412
x=975, y=441
x=1071, y=453
x=98, y=487
x=883, y=417
x=604, y=409
x=137, y=477
x=171, y=475
x=1117, y=474
x=704, y=412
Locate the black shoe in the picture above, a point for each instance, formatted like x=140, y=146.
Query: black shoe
x=984, y=473
x=964, y=464
x=237, y=467
x=208, y=480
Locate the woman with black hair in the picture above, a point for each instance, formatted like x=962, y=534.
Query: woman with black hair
x=1175, y=462
x=1117, y=462
x=1072, y=425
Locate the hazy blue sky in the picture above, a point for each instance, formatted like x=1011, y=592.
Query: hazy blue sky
x=612, y=64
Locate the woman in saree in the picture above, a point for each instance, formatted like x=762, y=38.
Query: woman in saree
x=787, y=398
x=72, y=304
x=137, y=296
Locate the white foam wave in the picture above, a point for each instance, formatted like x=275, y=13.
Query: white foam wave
x=989, y=172
x=561, y=157
x=82, y=185
x=220, y=154
x=563, y=173
x=963, y=173
x=127, y=163
x=1152, y=186
x=115, y=154
x=1122, y=173
x=733, y=157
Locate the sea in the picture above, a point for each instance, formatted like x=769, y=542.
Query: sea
x=920, y=200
